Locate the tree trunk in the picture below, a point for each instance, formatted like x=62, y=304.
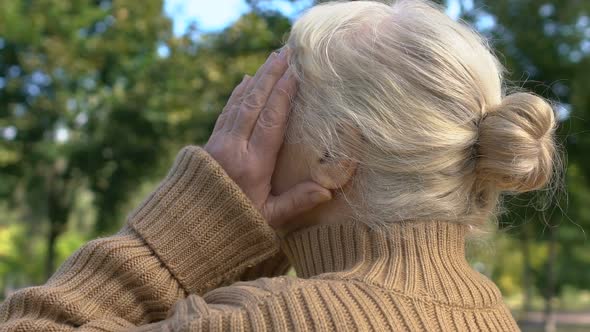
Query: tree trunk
x=59, y=205
x=54, y=231
x=550, y=323
x=527, y=281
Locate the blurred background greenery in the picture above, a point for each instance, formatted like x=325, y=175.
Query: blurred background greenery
x=96, y=97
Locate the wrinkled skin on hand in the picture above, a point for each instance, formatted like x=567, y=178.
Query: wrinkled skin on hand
x=249, y=134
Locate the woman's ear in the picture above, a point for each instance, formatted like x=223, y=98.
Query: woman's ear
x=335, y=171
x=332, y=172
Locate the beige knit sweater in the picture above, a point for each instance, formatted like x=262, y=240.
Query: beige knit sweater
x=178, y=262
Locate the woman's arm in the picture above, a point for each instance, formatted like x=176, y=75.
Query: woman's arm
x=194, y=233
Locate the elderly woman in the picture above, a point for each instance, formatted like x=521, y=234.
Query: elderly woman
x=399, y=143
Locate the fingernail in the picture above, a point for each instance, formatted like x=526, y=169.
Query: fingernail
x=320, y=197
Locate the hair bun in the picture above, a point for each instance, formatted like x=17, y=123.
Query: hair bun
x=516, y=143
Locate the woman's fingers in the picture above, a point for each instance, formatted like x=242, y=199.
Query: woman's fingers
x=233, y=101
x=233, y=111
x=233, y=114
x=255, y=101
x=269, y=130
x=300, y=198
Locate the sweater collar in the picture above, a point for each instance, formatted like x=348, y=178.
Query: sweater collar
x=411, y=257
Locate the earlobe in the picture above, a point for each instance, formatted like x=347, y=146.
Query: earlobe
x=332, y=173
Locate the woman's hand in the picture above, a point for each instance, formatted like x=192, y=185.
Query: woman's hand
x=248, y=135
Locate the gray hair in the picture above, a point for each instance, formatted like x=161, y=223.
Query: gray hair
x=417, y=99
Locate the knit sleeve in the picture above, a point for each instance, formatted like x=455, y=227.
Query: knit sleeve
x=266, y=304
x=195, y=232
x=203, y=227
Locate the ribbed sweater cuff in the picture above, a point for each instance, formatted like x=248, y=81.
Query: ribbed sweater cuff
x=201, y=225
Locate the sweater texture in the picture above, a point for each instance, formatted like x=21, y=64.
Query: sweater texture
x=197, y=256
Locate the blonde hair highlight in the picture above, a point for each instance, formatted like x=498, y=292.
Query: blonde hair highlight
x=417, y=99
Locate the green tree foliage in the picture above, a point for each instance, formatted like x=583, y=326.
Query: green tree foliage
x=76, y=104
x=96, y=96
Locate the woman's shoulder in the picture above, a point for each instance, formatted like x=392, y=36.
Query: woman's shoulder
x=347, y=305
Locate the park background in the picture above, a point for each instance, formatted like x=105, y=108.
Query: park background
x=97, y=96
